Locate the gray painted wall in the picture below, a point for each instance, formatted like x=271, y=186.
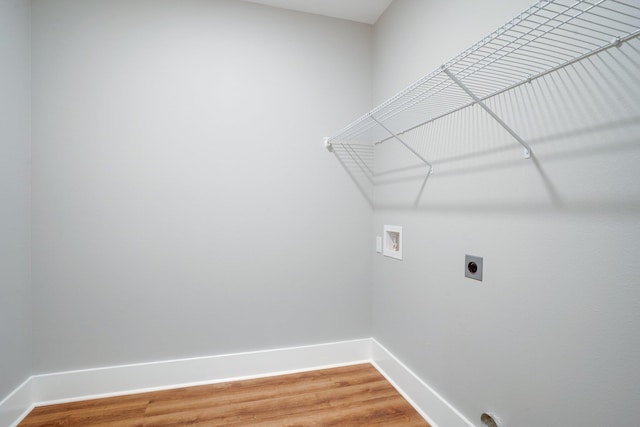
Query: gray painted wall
x=550, y=337
x=15, y=138
x=183, y=203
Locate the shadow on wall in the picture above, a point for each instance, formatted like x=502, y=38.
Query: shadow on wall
x=581, y=121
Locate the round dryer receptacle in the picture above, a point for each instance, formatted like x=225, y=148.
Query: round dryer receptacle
x=472, y=267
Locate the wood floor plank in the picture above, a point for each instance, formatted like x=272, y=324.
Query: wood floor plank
x=123, y=410
x=278, y=406
x=255, y=390
x=357, y=413
x=355, y=395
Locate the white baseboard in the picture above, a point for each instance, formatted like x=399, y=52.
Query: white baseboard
x=85, y=384
x=17, y=404
x=126, y=379
x=433, y=407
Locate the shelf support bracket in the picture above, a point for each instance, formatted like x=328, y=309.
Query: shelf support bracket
x=527, y=149
x=328, y=145
x=415, y=153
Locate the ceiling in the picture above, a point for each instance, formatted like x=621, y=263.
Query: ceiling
x=366, y=11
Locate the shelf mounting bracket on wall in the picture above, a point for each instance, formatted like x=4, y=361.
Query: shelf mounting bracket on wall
x=527, y=149
x=407, y=146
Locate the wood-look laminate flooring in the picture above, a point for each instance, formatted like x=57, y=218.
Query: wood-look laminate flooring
x=355, y=395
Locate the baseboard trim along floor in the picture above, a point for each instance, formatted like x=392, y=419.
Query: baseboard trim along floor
x=61, y=387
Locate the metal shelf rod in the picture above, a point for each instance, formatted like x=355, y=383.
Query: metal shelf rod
x=527, y=149
x=407, y=146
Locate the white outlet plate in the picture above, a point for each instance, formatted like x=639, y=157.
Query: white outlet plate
x=392, y=241
x=379, y=244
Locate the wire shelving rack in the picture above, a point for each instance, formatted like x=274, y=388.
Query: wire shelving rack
x=549, y=35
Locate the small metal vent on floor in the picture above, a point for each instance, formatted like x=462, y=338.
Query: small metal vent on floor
x=489, y=420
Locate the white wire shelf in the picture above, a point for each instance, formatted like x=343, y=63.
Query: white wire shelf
x=548, y=36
